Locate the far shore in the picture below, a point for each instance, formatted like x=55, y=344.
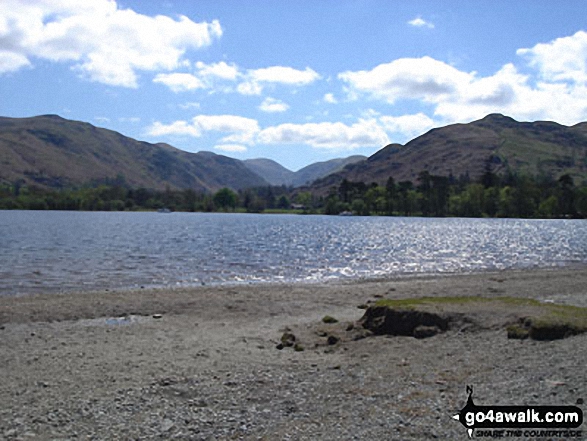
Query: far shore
x=201, y=363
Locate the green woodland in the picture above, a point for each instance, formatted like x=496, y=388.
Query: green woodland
x=508, y=195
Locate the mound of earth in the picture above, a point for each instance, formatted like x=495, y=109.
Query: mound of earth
x=428, y=316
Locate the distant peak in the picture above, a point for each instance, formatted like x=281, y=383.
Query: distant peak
x=497, y=119
x=51, y=116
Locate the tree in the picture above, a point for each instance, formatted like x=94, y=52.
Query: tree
x=375, y=199
x=566, y=195
x=404, y=187
x=391, y=193
x=225, y=199
x=283, y=202
x=360, y=208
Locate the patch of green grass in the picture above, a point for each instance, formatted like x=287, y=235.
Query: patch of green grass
x=558, y=321
x=453, y=300
x=541, y=321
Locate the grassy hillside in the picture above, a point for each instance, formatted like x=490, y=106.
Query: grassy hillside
x=318, y=170
x=271, y=171
x=54, y=152
x=531, y=148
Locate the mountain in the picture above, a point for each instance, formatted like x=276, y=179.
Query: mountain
x=276, y=174
x=318, y=170
x=54, y=152
x=496, y=141
x=271, y=171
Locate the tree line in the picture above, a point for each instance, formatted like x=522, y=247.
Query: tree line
x=507, y=195
x=122, y=198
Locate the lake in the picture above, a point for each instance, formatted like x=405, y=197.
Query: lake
x=52, y=251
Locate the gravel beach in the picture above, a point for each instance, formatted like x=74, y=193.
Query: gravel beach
x=202, y=363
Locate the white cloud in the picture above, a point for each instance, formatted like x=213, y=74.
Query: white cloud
x=190, y=105
x=284, y=75
x=245, y=131
x=419, y=22
x=556, y=90
x=249, y=88
x=180, y=128
x=233, y=148
x=329, y=135
x=329, y=98
x=220, y=70
x=409, y=126
x=407, y=78
x=242, y=130
x=102, y=119
x=105, y=44
x=272, y=105
x=255, y=79
x=11, y=61
x=564, y=59
x=179, y=82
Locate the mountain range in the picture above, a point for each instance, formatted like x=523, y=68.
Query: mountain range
x=496, y=142
x=54, y=152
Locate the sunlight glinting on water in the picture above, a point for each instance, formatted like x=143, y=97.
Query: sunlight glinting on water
x=55, y=251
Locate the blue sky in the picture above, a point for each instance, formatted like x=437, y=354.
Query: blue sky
x=295, y=81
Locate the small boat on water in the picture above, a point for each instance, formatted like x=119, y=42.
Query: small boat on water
x=346, y=213
x=164, y=210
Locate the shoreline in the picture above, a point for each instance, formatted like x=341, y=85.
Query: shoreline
x=202, y=363
x=301, y=282
x=109, y=301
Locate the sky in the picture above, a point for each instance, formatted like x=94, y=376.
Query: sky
x=294, y=81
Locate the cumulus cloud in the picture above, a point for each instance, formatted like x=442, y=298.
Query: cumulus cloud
x=220, y=70
x=103, y=42
x=408, y=126
x=256, y=79
x=240, y=130
x=407, y=78
x=232, y=148
x=179, y=82
x=272, y=105
x=178, y=128
x=328, y=135
x=556, y=90
x=222, y=76
x=564, y=59
x=419, y=22
x=329, y=98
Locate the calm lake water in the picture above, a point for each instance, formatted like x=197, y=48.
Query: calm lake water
x=43, y=251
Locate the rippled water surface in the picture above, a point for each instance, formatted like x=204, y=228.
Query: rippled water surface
x=56, y=251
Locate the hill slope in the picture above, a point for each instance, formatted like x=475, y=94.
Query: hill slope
x=276, y=174
x=318, y=170
x=526, y=147
x=271, y=171
x=54, y=152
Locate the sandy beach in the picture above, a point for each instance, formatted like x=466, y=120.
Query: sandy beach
x=202, y=363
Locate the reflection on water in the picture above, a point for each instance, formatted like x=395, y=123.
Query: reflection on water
x=54, y=251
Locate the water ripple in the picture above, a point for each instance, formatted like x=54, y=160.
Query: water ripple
x=64, y=251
